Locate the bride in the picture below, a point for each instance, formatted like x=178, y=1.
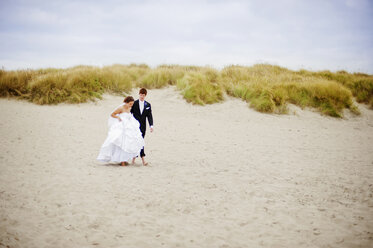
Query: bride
x=124, y=140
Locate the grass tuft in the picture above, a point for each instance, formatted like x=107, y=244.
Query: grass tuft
x=360, y=84
x=269, y=88
x=201, y=87
x=161, y=77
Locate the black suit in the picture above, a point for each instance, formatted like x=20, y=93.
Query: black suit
x=141, y=117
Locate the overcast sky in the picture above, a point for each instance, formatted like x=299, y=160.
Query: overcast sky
x=310, y=34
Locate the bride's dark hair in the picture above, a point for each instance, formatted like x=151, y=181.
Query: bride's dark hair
x=128, y=99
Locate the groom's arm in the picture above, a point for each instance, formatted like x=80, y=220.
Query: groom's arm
x=150, y=117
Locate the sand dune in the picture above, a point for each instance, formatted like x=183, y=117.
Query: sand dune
x=221, y=175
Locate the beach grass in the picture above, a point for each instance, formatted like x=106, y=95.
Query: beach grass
x=161, y=77
x=269, y=88
x=266, y=88
x=201, y=87
x=360, y=84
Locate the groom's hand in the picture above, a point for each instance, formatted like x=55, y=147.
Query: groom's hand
x=151, y=129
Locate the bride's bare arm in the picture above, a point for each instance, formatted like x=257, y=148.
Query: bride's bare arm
x=117, y=112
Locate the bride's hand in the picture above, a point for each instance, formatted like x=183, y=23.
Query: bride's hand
x=119, y=119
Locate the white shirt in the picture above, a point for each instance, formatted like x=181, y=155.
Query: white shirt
x=141, y=103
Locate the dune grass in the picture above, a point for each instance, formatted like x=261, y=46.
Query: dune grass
x=201, y=87
x=266, y=88
x=73, y=85
x=269, y=88
x=360, y=84
x=161, y=77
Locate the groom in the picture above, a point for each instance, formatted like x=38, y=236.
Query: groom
x=140, y=110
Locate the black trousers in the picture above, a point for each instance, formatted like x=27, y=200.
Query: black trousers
x=142, y=153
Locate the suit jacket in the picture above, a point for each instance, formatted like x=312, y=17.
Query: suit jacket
x=147, y=112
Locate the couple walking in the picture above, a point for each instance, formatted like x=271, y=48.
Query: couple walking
x=127, y=127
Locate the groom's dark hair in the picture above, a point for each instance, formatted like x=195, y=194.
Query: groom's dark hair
x=128, y=99
x=143, y=91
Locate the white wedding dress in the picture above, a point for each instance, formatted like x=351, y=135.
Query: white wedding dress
x=124, y=140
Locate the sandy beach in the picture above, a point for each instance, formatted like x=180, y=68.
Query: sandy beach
x=221, y=175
